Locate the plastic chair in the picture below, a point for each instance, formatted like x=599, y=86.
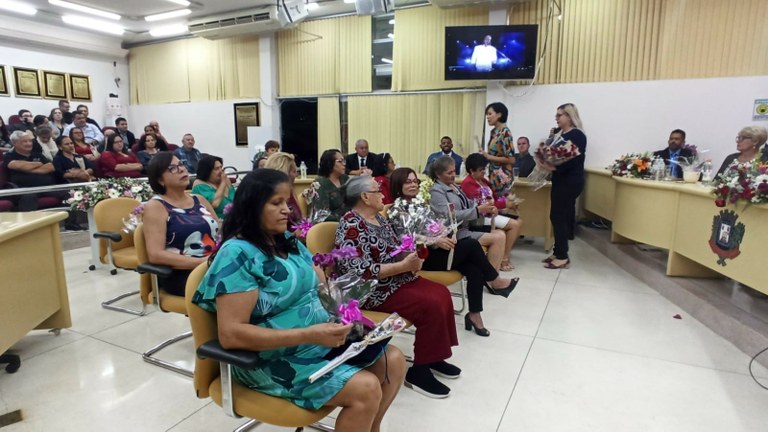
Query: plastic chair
x=213, y=375
x=151, y=293
x=116, y=248
x=14, y=120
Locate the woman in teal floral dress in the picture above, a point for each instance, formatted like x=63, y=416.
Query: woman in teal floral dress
x=263, y=287
x=501, y=148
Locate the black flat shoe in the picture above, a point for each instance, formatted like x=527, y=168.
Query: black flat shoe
x=420, y=379
x=503, y=291
x=469, y=325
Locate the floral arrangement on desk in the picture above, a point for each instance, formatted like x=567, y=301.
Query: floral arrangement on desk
x=635, y=165
x=86, y=197
x=742, y=182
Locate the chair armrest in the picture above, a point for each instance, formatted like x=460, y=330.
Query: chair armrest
x=240, y=358
x=155, y=269
x=110, y=235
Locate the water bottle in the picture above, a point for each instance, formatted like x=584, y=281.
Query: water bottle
x=657, y=169
x=706, y=171
x=303, y=170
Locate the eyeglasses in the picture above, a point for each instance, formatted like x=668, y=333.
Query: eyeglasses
x=412, y=181
x=176, y=168
x=742, y=138
x=341, y=161
x=558, y=115
x=376, y=191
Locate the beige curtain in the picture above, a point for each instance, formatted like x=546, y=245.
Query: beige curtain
x=410, y=126
x=419, y=48
x=627, y=40
x=328, y=124
x=194, y=70
x=329, y=56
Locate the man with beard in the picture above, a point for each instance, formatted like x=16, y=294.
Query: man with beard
x=446, y=147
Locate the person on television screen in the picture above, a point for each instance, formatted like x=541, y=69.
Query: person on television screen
x=484, y=56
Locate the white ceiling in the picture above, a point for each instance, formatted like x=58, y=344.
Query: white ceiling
x=134, y=11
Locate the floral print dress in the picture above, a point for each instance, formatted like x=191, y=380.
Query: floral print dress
x=501, y=144
x=287, y=300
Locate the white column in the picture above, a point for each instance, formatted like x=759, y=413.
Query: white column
x=270, y=110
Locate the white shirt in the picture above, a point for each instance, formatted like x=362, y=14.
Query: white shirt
x=92, y=134
x=484, y=57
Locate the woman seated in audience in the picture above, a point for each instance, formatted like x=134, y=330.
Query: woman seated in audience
x=469, y=257
x=116, y=161
x=330, y=176
x=150, y=147
x=57, y=120
x=444, y=191
x=159, y=140
x=748, y=144
x=70, y=166
x=213, y=184
x=263, y=288
x=46, y=141
x=286, y=163
x=472, y=186
x=425, y=303
x=180, y=230
x=260, y=162
x=5, y=137
x=382, y=170
x=83, y=148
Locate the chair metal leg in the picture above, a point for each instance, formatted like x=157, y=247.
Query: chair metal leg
x=463, y=296
x=110, y=262
x=250, y=424
x=108, y=304
x=147, y=356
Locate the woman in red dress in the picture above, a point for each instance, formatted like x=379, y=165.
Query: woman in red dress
x=115, y=162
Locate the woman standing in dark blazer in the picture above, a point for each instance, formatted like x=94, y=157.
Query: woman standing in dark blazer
x=567, y=184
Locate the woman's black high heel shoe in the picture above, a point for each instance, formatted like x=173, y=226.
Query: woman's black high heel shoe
x=469, y=325
x=503, y=291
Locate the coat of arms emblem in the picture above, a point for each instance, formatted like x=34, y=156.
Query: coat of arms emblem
x=727, y=235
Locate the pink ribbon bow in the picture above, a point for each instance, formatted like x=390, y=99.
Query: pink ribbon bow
x=407, y=245
x=350, y=313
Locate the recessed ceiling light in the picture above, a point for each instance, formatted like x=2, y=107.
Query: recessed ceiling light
x=181, y=2
x=168, y=15
x=312, y=6
x=93, y=24
x=85, y=9
x=169, y=30
x=18, y=7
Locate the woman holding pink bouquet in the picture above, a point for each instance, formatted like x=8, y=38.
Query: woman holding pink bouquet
x=477, y=188
x=501, y=148
x=567, y=182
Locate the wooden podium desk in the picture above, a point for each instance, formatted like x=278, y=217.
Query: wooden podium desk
x=679, y=217
x=534, y=211
x=33, y=291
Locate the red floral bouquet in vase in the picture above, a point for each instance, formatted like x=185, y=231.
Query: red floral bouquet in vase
x=555, y=154
x=746, y=182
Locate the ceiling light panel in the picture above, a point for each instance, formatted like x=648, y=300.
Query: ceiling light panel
x=85, y=9
x=93, y=24
x=169, y=30
x=18, y=7
x=180, y=2
x=168, y=15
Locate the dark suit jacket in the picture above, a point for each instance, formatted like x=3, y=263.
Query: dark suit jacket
x=664, y=155
x=353, y=162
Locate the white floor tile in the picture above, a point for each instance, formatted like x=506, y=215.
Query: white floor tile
x=571, y=388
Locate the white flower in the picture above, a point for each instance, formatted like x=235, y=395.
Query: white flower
x=136, y=189
x=78, y=195
x=112, y=193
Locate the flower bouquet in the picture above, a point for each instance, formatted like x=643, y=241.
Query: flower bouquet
x=386, y=329
x=342, y=295
x=424, y=193
x=742, y=181
x=86, y=197
x=417, y=226
x=635, y=165
x=554, y=154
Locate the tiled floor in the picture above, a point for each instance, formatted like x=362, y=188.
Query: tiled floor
x=590, y=348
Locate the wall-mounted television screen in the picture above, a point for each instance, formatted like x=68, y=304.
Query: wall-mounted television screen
x=497, y=52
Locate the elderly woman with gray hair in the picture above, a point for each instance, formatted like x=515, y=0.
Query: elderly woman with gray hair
x=748, y=143
x=445, y=192
x=425, y=303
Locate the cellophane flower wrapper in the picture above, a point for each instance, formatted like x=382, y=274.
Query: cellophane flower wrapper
x=134, y=219
x=554, y=154
x=394, y=323
x=342, y=296
x=417, y=220
x=303, y=226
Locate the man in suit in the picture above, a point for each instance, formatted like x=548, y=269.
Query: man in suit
x=122, y=129
x=675, y=150
x=446, y=149
x=361, y=161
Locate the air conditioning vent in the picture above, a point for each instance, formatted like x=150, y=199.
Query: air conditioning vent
x=285, y=14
